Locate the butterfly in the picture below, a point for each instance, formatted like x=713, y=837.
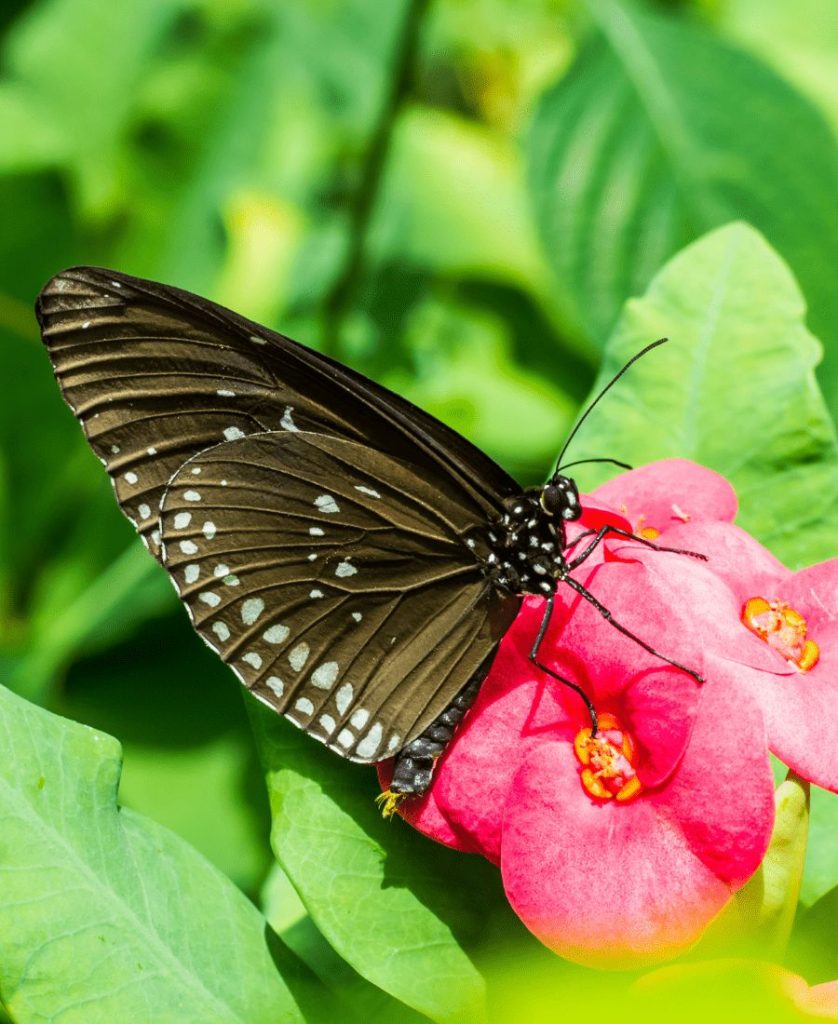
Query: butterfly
x=355, y=561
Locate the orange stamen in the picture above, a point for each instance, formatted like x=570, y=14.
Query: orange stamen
x=609, y=761
x=784, y=629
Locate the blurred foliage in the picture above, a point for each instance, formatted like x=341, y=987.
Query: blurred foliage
x=456, y=197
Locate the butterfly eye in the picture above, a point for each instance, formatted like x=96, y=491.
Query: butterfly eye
x=560, y=497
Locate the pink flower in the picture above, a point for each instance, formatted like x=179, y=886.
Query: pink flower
x=617, y=851
x=788, y=620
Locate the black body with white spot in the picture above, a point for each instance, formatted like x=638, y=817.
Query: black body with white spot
x=355, y=561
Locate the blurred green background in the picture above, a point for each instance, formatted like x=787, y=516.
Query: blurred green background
x=453, y=196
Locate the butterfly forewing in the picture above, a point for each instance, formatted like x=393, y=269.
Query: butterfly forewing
x=156, y=375
x=336, y=580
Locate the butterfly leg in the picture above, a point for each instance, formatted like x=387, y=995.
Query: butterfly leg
x=533, y=657
x=603, y=531
x=606, y=614
x=414, y=764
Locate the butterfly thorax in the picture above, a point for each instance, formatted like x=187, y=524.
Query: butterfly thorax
x=527, y=546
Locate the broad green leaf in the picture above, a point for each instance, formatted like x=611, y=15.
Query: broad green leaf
x=180, y=718
x=359, y=1001
x=107, y=916
x=659, y=133
x=758, y=920
x=734, y=389
x=386, y=899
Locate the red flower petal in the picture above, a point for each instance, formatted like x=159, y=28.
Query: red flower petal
x=622, y=885
x=664, y=492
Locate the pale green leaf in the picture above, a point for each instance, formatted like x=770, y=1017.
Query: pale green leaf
x=734, y=390
x=107, y=916
x=385, y=898
x=660, y=132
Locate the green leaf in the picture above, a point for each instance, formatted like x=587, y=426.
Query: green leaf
x=105, y=915
x=734, y=390
x=661, y=132
x=386, y=899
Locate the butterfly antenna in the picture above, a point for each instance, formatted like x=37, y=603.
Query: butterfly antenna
x=582, y=462
x=607, y=388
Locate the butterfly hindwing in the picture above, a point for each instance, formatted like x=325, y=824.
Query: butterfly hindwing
x=156, y=375
x=336, y=580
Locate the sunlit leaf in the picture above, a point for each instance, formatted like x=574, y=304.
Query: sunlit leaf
x=734, y=390
x=659, y=133
x=386, y=899
x=105, y=915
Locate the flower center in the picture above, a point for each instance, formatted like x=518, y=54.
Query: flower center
x=783, y=628
x=647, y=532
x=608, y=761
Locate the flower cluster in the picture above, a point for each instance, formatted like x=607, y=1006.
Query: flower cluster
x=618, y=849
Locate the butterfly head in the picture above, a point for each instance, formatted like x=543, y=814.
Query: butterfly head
x=560, y=497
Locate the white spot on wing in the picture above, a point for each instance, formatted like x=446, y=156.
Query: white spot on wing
x=346, y=738
x=326, y=503
x=304, y=706
x=360, y=718
x=345, y=569
x=314, y=594
x=298, y=656
x=145, y=512
x=367, y=490
x=196, y=471
x=327, y=723
x=324, y=676
x=276, y=634
x=231, y=581
x=182, y=520
x=393, y=743
x=191, y=495
x=151, y=451
x=209, y=529
x=315, y=531
x=188, y=547
x=233, y=433
x=210, y=597
x=225, y=393
x=220, y=570
x=115, y=449
x=130, y=478
x=252, y=609
x=276, y=684
x=221, y=630
x=343, y=698
x=286, y=420
x=191, y=573
x=371, y=742
x=257, y=340
x=357, y=616
x=252, y=658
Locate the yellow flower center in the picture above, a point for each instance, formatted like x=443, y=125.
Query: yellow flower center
x=784, y=629
x=608, y=761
